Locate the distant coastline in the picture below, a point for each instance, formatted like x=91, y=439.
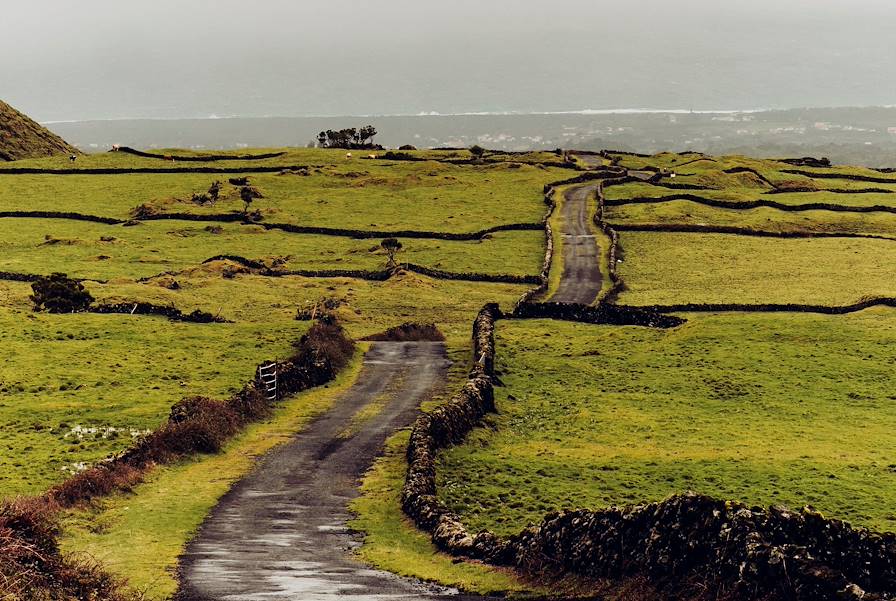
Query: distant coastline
x=585, y=112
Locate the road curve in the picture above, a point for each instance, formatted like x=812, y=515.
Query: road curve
x=580, y=281
x=280, y=533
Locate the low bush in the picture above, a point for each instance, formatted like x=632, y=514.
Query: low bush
x=31, y=567
x=96, y=481
x=325, y=343
x=144, y=211
x=408, y=332
x=58, y=293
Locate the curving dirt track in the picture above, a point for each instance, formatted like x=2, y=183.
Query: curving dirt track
x=581, y=278
x=280, y=533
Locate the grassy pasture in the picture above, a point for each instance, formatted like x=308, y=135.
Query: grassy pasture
x=420, y=196
x=73, y=388
x=746, y=193
x=784, y=408
x=99, y=251
x=290, y=156
x=762, y=408
x=759, y=219
x=670, y=268
x=63, y=372
x=76, y=388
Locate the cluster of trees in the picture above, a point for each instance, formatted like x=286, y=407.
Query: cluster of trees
x=350, y=137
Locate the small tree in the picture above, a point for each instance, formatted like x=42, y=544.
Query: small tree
x=247, y=195
x=214, y=190
x=391, y=246
x=477, y=151
x=368, y=132
x=58, y=293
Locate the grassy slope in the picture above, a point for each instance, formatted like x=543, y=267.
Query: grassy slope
x=766, y=409
x=663, y=268
x=21, y=137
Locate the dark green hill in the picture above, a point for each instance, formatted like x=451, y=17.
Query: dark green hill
x=23, y=138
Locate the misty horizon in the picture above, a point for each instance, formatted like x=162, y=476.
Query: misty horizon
x=99, y=59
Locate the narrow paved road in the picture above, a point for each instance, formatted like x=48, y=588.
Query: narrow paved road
x=280, y=533
x=580, y=281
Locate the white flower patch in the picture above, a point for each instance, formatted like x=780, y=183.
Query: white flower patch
x=80, y=432
x=74, y=468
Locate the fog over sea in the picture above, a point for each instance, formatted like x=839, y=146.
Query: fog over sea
x=202, y=58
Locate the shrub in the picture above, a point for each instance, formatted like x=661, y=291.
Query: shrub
x=391, y=155
x=407, y=332
x=214, y=191
x=144, y=211
x=31, y=567
x=407, y=147
x=325, y=343
x=95, y=482
x=195, y=425
x=249, y=404
x=58, y=293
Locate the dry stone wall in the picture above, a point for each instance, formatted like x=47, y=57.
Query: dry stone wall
x=687, y=546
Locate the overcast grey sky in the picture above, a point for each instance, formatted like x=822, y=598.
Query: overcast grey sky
x=81, y=59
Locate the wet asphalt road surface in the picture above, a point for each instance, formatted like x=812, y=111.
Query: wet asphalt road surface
x=581, y=278
x=280, y=533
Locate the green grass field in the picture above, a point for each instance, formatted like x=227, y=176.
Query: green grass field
x=670, y=268
x=761, y=219
x=106, y=252
x=360, y=194
x=765, y=409
x=76, y=388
